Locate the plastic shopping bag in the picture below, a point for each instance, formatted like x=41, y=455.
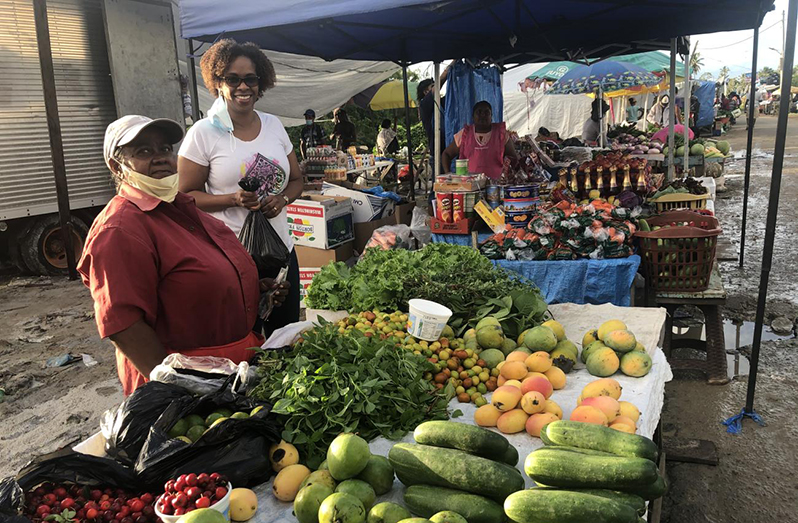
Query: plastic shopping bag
x=202, y=374
x=125, y=428
x=261, y=241
x=237, y=448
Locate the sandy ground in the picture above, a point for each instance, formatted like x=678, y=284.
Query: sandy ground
x=47, y=408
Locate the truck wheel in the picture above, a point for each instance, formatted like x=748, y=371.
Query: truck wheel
x=15, y=250
x=43, y=249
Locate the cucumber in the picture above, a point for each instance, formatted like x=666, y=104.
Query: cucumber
x=596, y=437
x=511, y=456
x=651, y=491
x=559, y=468
x=460, y=436
x=426, y=500
x=634, y=501
x=563, y=506
x=588, y=452
x=545, y=438
x=422, y=464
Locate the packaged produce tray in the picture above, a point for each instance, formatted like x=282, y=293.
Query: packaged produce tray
x=679, y=258
x=671, y=202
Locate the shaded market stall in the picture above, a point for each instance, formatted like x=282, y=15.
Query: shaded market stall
x=503, y=31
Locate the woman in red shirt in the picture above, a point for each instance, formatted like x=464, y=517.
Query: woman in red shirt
x=483, y=143
x=165, y=276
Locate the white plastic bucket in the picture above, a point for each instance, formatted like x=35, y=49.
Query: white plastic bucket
x=223, y=506
x=427, y=319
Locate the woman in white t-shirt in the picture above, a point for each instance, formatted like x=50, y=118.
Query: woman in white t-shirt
x=234, y=141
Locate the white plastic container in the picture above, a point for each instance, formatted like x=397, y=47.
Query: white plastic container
x=461, y=166
x=427, y=319
x=223, y=506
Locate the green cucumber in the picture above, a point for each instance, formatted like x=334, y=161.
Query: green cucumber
x=511, y=456
x=649, y=492
x=596, y=437
x=588, y=452
x=461, y=436
x=634, y=501
x=559, y=468
x=564, y=506
x=422, y=464
x=426, y=500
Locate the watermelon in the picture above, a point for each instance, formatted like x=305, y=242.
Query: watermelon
x=724, y=147
x=697, y=150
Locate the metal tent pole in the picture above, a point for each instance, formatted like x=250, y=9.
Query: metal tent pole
x=601, y=115
x=686, y=114
x=672, y=111
x=749, y=145
x=54, y=130
x=409, y=138
x=192, y=81
x=773, y=202
x=437, y=139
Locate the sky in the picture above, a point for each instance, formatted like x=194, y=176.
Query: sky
x=732, y=49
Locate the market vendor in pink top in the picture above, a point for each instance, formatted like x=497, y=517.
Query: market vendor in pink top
x=483, y=143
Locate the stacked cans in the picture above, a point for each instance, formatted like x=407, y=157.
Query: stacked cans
x=520, y=203
x=452, y=207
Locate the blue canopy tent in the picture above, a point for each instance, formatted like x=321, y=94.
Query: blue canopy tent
x=501, y=31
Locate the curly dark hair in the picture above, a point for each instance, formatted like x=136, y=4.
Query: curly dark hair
x=220, y=55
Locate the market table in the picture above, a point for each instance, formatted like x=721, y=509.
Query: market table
x=646, y=393
x=571, y=281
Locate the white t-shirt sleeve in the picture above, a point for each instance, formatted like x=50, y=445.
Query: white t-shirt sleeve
x=196, y=145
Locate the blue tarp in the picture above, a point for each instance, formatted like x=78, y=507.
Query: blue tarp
x=466, y=86
x=509, y=30
x=705, y=92
x=577, y=281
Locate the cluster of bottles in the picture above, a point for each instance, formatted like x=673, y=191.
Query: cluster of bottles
x=609, y=181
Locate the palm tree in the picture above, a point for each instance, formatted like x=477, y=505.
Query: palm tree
x=706, y=76
x=696, y=62
x=724, y=73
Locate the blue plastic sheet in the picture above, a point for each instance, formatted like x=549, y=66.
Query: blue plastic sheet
x=465, y=86
x=705, y=92
x=576, y=281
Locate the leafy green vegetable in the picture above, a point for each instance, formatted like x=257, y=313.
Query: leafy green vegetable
x=455, y=276
x=331, y=384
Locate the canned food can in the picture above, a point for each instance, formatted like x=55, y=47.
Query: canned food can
x=444, y=206
x=493, y=193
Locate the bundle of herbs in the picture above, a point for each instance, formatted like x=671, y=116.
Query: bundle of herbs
x=329, y=384
x=455, y=276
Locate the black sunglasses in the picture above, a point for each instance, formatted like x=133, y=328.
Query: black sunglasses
x=235, y=81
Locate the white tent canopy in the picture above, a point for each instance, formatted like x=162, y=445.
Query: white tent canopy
x=306, y=82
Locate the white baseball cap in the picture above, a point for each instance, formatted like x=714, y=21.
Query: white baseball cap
x=126, y=129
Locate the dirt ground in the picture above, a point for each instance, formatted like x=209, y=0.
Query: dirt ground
x=48, y=407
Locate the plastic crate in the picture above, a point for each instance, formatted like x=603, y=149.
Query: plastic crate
x=671, y=202
x=679, y=258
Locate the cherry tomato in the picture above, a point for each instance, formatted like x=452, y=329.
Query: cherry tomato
x=180, y=501
x=180, y=511
x=203, y=502
x=136, y=505
x=147, y=498
x=42, y=510
x=220, y=492
x=92, y=513
x=60, y=492
x=67, y=503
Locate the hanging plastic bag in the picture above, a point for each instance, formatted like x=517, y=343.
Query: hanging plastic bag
x=261, y=240
x=391, y=237
x=419, y=226
x=237, y=448
x=202, y=374
x=126, y=427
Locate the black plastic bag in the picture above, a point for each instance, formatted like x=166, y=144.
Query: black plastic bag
x=126, y=427
x=261, y=240
x=62, y=466
x=237, y=448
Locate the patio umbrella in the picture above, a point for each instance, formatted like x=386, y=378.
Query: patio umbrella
x=605, y=76
x=386, y=95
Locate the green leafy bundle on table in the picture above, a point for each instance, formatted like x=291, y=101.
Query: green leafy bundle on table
x=329, y=384
x=455, y=276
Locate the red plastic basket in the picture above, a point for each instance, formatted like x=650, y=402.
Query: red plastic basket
x=677, y=257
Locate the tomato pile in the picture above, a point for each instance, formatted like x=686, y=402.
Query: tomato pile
x=78, y=504
x=191, y=491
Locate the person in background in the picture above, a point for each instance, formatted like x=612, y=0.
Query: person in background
x=660, y=114
x=484, y=144
x=311, y=135
x=165, y=276
x=633, y=112
x=387, y=143
x=591, y=130
x=344, y=132
x=234, y=141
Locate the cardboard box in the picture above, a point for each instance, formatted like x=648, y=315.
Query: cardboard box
x=458, y=227
x=306, y=275
x=312, y=257
x=494, y=218
x=321, y=221
x=367, y=207
x=404, y=213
